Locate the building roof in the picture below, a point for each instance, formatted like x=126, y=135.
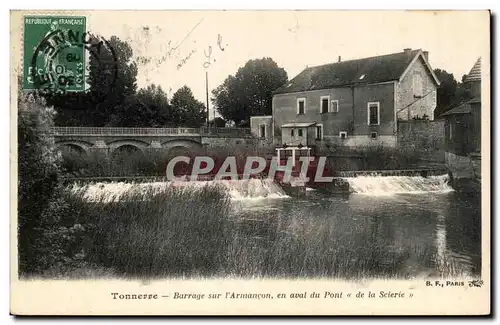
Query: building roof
x=298, y=125
x=475, y=72
x=375, y=69
x=463, y=108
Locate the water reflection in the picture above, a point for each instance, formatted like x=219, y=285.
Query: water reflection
x=433, y=234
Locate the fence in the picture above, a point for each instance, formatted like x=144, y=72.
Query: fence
x=113, y=131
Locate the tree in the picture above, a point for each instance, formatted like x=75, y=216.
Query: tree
x=149, y=107
x=112, y=79
x=190, y=111
x=37, y=172
x=249, y=91
x=449, y=93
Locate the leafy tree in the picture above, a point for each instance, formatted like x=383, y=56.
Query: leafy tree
x=249, y=91
x=190, y=111
x=112, y=79
x=449, y=93
x=149, y=107
x=37, y=172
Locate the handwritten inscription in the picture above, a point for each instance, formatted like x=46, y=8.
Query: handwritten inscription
x=208, y=54
x=185, y=59
x=219, y=42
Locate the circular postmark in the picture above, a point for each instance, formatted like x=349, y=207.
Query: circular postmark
x=71, y=61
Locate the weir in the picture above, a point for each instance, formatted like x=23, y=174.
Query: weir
x=252, y=189
x=387, y=185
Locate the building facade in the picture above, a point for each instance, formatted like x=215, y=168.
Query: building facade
x=355, y=102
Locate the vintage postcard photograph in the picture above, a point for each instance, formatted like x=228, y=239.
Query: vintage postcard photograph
x=250, y=162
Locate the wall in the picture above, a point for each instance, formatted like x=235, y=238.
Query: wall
x=422, y=134
x=232, y=142
x=350, y=118
x=464, y=166
x=256, y=121
x=425, y=136
x=360, y=141
x=405, y=95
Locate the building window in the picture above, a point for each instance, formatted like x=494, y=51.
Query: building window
x=324, y=104
x=343, y=135
x=417, y=86
x=299, y=132
x=262, y=130
x=335, y=106
x=319, y=132
x=373, y=135
x=292, y=132
x=373, y=113
x=301, y=106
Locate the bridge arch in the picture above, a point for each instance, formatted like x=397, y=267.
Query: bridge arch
x=141, y=145
x=182, y=144
x=83, y=146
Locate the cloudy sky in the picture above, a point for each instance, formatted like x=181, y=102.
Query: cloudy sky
x=172, y=47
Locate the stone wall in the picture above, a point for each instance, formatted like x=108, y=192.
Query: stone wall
x=233, y=142
x=464, y=166
x=425, y=136
x=408, y=103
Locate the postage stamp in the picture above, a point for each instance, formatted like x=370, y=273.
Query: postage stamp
x=60, y=56
x=50, y=53
x=250, y=163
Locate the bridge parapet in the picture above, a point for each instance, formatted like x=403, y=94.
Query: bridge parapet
x=118, y=131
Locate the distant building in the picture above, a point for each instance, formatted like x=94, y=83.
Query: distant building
x=354, y=102
x=463, y=129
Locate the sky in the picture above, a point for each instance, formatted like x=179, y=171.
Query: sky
x=171, y=47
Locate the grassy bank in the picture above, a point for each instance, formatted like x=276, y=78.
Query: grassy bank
x=172, y=233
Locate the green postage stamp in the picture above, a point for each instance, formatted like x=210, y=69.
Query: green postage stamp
x=53, y=53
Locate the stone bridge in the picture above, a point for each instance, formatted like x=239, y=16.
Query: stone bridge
x=109, y=139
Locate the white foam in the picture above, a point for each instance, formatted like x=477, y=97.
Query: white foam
x=251, y=189
x=389, y=185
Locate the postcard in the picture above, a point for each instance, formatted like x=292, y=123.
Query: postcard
x=232, y=162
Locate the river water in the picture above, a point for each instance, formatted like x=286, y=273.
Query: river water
x=397, y=226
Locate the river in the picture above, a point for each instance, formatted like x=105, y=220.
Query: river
x=397, y=227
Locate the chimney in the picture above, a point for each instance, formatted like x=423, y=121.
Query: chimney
x=406, y=50
x=340, y=58
x=426, y=55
